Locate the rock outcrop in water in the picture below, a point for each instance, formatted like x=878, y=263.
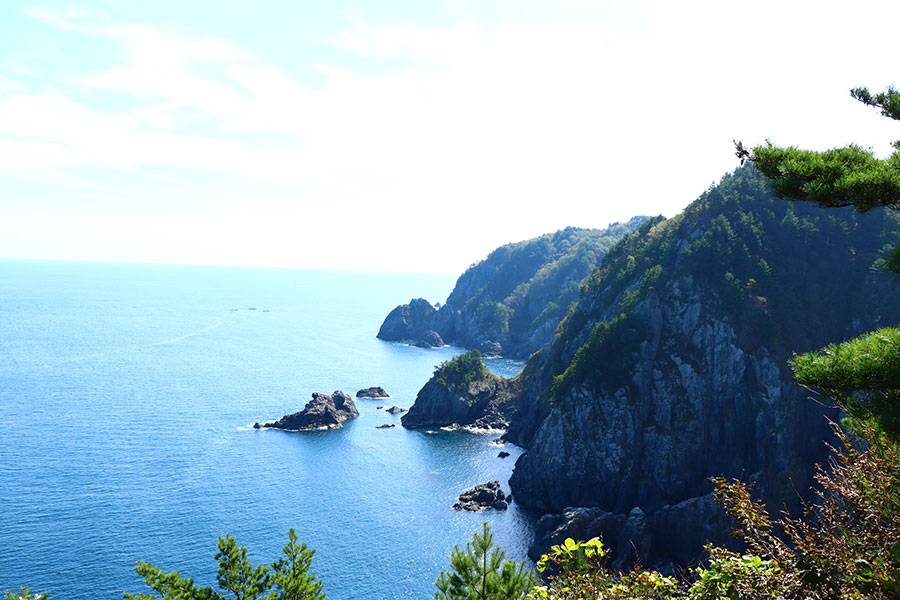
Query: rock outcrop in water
x=372, y=392
x=430, y=339
x=462, y=393
x=324, y=411
x=511, y=302
x=486, y=495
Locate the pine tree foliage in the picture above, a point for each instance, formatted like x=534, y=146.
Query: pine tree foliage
x=849, y=176
x=861, y=376
x=286, y=579
x=480, y=573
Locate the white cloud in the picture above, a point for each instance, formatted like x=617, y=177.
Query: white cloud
x=485, y=137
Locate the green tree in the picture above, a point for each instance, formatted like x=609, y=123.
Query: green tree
x=849, y=176
x=285, y=579
x=861, y=376
x=480, y=573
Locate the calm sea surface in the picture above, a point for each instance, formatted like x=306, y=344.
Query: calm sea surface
x=127, y=396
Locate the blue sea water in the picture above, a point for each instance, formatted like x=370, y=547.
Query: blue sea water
x=127, y=395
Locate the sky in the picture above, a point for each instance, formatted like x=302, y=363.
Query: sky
x=402, y=135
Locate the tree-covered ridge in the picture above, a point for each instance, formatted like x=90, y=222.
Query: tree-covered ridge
x=461, y=371
x=511, y=302
x=528, y=285
x=770, y=264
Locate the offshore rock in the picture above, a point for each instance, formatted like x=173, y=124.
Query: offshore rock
x=486, y=495
x=372, y=392
x=462, y=393
x=395, y=410
x=324, y=411
x=430, y=339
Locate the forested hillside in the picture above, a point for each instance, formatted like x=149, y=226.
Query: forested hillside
x=672, y=368
x=511, y=302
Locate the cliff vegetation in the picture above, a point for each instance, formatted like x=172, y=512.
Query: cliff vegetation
x=511, y=302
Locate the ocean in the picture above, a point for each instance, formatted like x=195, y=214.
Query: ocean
x=127, y=398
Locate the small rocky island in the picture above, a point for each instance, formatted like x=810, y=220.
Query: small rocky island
x=372, y=392
x=463, y=393
x=395, y=410
x=324, y=411
x=486, y=495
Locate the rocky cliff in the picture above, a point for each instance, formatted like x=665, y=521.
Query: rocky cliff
x=672, y=367
x=511, y=302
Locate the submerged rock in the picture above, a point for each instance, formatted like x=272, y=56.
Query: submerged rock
x=372, y=392
x=486, y=495
x=503, y=454
x=386, y=426
x=324, y=411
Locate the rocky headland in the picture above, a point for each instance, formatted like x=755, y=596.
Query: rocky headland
x=324, y=411
x=510, y=303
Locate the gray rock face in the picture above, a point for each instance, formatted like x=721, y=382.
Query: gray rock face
x=324, y=411
x=673, y=536
x=430, y=339
x=372, y=392
x=395, y=410
x=408, y=321
x=689, y=379
x=490, y=348
x=486, y=495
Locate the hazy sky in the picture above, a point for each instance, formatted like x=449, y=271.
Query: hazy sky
x=401, y=135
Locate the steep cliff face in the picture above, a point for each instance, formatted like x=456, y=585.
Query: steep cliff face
x=672, y=367
x=511, y=302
